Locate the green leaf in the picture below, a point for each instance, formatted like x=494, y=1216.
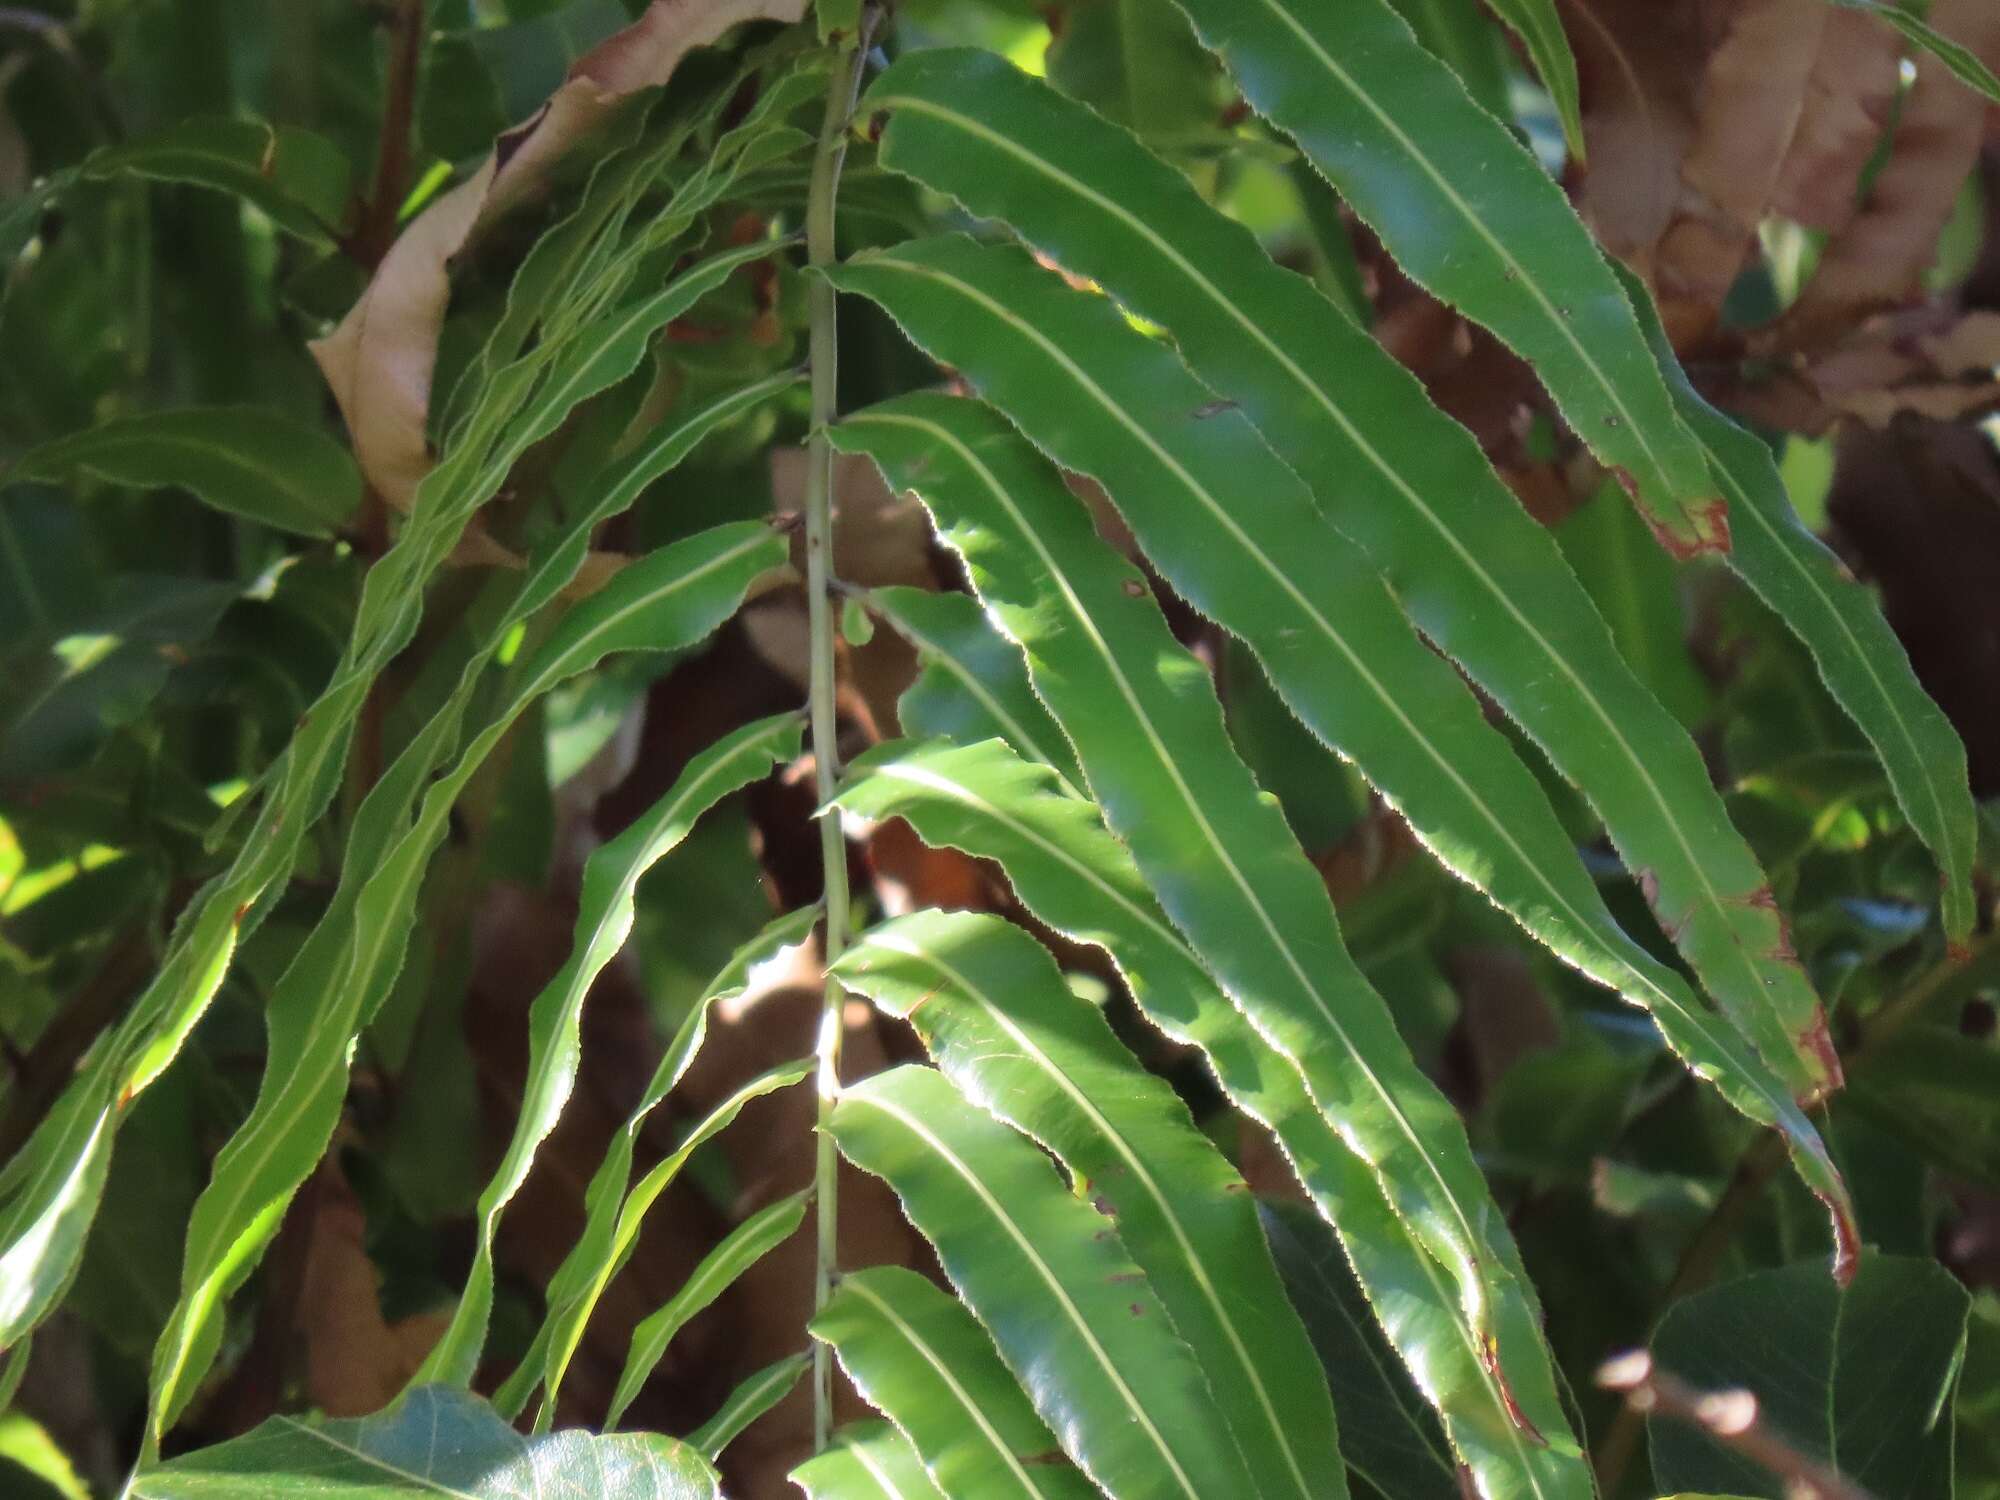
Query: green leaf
x=1393, y=1440
x=1539, y=26
x=993, y=1010
x=1149, y=733
x=922, y=1360
x=1074, y=1319
x=555, y=1043
x=1862, y=663
x=1940, y=1092
x=435, y=1441
x=1462, y=35
x=1476, y=574
x=1859, y=1379
x=868, y=1461
x=298, y=179
x=838, y=19
x=1635, y=587
x=1071, y=873
x=344, y=971
x=242, y=459
x=596, y=1243
x=570, y=1310
x=1962, y=60
x=1472, y=217
x=972, y=685
x=754, y=1396
x=49, y=1191
x=1138, y=62
x=1237, y=534
x=740, y=1249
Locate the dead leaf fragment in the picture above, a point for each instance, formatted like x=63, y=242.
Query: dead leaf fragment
x=1878, y=259
x=381, y=359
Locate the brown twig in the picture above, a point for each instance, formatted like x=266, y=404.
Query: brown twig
x=1730, y=1417
x=375, y=224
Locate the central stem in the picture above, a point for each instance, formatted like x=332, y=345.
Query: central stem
x=824, y=354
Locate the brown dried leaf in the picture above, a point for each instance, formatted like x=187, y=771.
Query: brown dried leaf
x=380, y=360
x=1877, y=260
x=356, y=1361
x=1850, y=95
x=1639, y=63
x=1752, y=97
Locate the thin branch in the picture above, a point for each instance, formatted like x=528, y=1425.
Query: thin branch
x=821, y=250
x=1732, y=1418
x=375, y=224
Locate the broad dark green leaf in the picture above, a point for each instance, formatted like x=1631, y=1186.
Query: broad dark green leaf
x=1859, y=1379
x=1471, y=216
x=754, y=1395
x=242, y=459
x=993, y=1010
x=298, y=179
x=1393, y=1439
x=923, y=1361
x=1475, y=573
x=1074, y=1319
x=739, y=1250
x=72, y=684
x=1859, y=657
x=1071, y=873
x=1976, y=1454
x=868, y=1461
x=1149, y=733
x=555, y=1043
x=1940, y=1091
x=435, y=1441
x=1138, y=62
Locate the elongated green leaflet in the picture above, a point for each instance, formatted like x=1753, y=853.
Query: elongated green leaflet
x=1962, y=60
x=1475, y=573
x=602, y=1200
x=1071, y=873
x=756, y=1394
x=670, y=599
x=566, y=1320
x=1237, y=534
x=868, y=1461
x=50, y=1191
x=1149, y=733
x=1859, y=658
x=1472, y=217
x=973, y=684
x=1539, y=26
x=994, y=1012
x=604, y=920
x=921, y=1359
x=740, y=1249
x=1074, y=1319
